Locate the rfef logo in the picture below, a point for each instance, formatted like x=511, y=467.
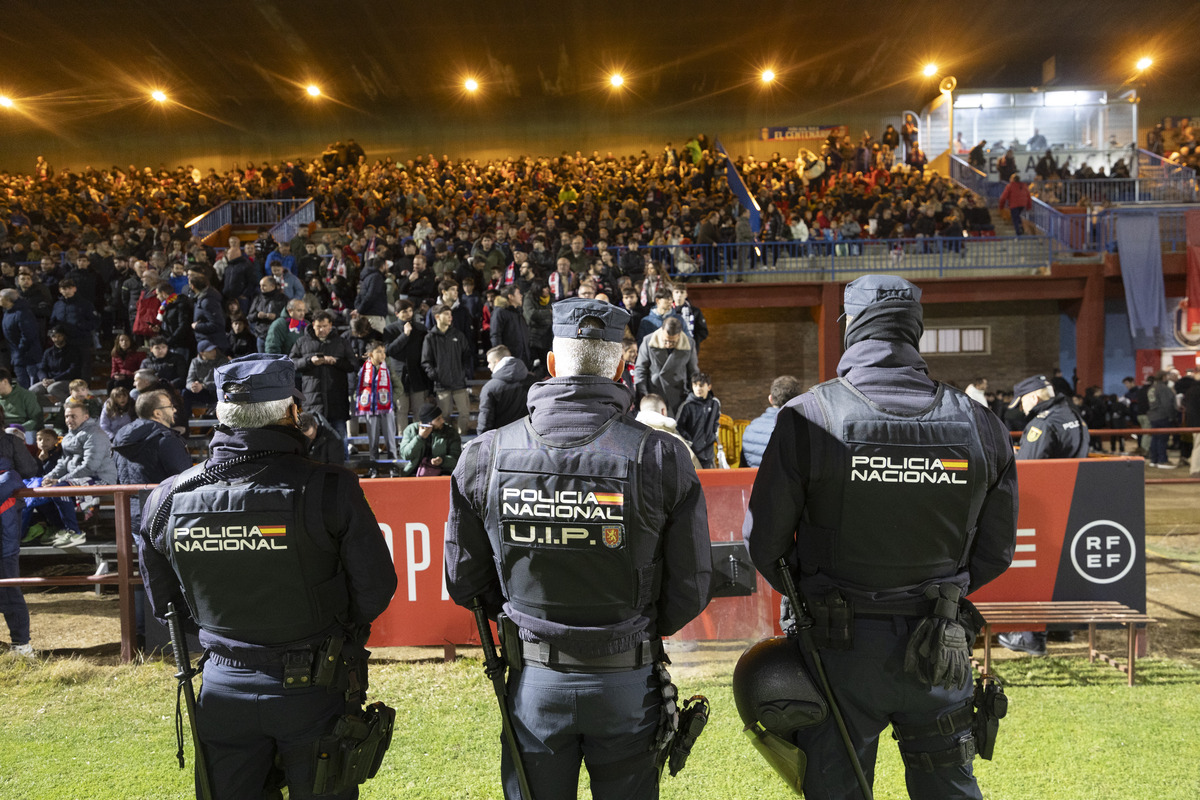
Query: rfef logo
x=1103, y=551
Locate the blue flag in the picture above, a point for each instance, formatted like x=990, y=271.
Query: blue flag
x=738, y=186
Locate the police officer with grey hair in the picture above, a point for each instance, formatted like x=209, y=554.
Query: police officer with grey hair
x=281, y=563
x=586, y=534
x=890, y=496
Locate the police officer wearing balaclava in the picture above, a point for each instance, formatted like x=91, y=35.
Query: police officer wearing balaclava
x=889, y=495
x=280, y=562
x=589, y=531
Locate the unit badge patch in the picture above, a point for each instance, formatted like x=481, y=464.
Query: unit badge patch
x=1033, y=434
x=613, y=536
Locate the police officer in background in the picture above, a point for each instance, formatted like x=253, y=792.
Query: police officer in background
x=589, y=531
x=278, y=560
x=890, y=496
x=1055, y=430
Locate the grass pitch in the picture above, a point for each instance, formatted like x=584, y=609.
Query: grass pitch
x=73, y=729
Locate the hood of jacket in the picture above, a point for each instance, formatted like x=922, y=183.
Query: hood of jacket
x=138, y=436
x=658, y=340
x=511, y=370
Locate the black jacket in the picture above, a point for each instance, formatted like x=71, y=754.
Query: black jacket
x=272, y=303
x=510, y=329
x=444, y=358
x=405, y=350
x=148, y=452
x=325, y=386
x=503, y=399
x=1055, y=430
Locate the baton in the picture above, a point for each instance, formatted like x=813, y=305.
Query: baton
x=803, y=629
x=184, y=674
x=493, y=665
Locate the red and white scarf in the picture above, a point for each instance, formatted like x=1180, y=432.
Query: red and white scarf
x=374, y=395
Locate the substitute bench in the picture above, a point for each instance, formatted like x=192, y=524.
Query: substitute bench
x=1089, y=612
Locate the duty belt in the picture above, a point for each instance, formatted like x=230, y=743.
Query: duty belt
x=548, y=655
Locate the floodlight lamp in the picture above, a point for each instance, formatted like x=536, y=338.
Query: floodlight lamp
x=1144, y=63
x=471, y=84
x=768, y=75
x=616, y=79
x=6, y=101
x=313, y=90
x=930, y=70
x=159, y=95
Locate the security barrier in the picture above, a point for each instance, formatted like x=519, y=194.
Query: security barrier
x=1081, y=535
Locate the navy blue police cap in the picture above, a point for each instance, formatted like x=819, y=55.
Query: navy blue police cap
x=1027, y=386
x=570, y=312
x=261, y=376
x=871, y=289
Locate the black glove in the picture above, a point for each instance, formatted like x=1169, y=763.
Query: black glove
x=939, y=650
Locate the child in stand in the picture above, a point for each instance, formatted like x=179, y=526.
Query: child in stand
x=699, y=418
x=373, y=402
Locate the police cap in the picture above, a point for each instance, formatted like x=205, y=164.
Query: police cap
x=262, y=376
x=1028, y=386
x=569, y=312
x=871, y=289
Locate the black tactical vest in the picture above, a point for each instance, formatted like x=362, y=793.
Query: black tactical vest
x=250, y=566
x=896, y=496
x=575, y=536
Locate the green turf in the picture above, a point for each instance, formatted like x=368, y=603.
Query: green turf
x=74, y=730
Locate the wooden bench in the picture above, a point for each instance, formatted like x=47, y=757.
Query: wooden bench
x=1089, y=612
x=104, y=553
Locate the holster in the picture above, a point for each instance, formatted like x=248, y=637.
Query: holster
x=991, y=706
x=352, y=752
x=510, y=642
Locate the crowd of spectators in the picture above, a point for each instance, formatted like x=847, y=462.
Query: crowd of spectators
x=437, y=260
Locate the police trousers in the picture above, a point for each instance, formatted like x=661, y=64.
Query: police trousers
x=607, y=721
x=245, y=718
x=873, y=691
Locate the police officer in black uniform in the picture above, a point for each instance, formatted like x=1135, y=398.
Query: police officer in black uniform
x=889, y=495
x=1055, y=429
x=279, y=561
x=589, y=532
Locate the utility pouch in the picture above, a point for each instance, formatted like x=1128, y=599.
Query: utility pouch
x=833, y=621
x=692, y=719
x=297, y=669
x=991, y=706
x=668, y=715
x=510, y=642
x=328, y=662
x=352, y=753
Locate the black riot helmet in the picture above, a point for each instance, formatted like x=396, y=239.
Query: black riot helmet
x=775, y=697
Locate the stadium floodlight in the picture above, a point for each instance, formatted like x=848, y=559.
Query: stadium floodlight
x=313, y=90
x=768, y=75
x=930, y=70
x=616, y=79
x=1144, y=63
x=159, y=95
x=471, y=84
x=6, y=101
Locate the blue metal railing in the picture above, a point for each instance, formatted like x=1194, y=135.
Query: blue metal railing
x=286, y=229
x=846, y=259
x=211, y=221
x=1171, y=189
x=247, y=213
x=976, y=180
x=1154, y=165
x=1096, y=231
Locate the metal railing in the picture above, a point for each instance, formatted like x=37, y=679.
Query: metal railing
x=1154, y=165
x=246, y=213
x=976, y=180
x=286, y=229
x=1095, y=191
x=845, y=259
x=126, y=579
x=1096, y=231
x=211, y=221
